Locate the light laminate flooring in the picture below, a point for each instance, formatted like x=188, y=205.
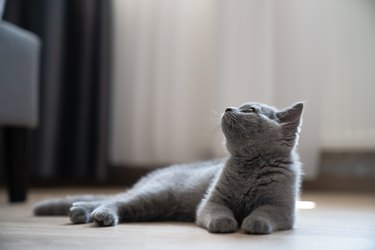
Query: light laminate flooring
x=325, y=221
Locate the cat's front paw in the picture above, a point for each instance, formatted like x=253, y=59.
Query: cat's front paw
x=257, y=225
x=222, y=224
x=79, y=215
x=104, y=216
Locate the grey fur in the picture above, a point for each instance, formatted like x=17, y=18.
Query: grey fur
x=255, y=188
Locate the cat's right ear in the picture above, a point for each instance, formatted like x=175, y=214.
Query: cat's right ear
x=291, y=114
x=290, y=117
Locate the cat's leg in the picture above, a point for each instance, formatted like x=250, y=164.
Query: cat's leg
x=216, y=218
x=139, y=206
x=80, y=212
x=60, y=206
x=107, y=214
x=267, y=219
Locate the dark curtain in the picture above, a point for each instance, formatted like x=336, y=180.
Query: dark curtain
x=71, y=141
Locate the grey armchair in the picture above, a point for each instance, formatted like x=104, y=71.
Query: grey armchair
x=19, y=66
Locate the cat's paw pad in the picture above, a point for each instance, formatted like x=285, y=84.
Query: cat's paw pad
x=104, y=217
x=257, y=225
x=79, y=215
x=223, y=224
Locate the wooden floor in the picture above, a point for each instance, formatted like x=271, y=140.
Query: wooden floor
x=338, y=221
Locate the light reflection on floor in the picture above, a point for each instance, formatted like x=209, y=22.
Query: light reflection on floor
x=306, y=205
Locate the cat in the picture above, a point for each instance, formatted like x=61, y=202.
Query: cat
x=254, y=189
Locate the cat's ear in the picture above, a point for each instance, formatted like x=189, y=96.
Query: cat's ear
x=291, y=115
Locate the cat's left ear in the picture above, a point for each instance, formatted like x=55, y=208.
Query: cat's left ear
x=291, y=115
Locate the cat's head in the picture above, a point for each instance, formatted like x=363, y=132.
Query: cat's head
x=254, y=126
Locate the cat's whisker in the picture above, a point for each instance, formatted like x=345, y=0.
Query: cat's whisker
x=216, y=113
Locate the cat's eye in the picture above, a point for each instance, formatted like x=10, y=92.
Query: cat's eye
x=248, y=110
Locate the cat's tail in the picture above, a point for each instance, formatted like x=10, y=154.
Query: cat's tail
x=60, y=206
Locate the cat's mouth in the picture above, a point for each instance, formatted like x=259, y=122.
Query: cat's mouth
x=229, y=122
x=229, y=117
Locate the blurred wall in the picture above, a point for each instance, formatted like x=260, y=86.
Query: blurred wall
x=179, y=63
x=348, y=117
x=163, y=81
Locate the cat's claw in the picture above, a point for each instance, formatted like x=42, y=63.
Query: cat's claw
x=257, y=225
x=104, y=217
x=222, y=224
x=79, y=215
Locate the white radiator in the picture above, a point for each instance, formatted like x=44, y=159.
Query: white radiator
x=348, y=96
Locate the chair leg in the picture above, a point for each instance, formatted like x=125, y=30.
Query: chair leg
x=16, y=161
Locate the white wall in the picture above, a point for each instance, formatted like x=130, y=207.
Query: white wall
x=162, y=81
x=348, y=117
x=176, y=60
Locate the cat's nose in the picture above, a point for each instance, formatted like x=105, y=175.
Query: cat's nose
x=229, y=109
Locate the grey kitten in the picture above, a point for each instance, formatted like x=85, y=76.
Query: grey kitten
x=255, y=188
